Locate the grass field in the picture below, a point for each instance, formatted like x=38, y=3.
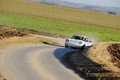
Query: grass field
x=57, y=27
x=58, y=20
x=60, y=13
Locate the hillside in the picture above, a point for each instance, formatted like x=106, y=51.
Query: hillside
x=60, y=13
x=94, y=8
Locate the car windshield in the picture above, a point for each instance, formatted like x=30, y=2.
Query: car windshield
x=78, y=37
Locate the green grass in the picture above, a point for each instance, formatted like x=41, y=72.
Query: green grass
x=60, y=13
x=57, y=27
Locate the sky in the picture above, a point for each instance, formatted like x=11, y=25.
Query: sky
x=108, y=3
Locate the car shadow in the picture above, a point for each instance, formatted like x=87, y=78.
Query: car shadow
x=52, y=44
x=59, y=54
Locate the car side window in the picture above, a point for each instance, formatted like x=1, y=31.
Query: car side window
x=73, y=37
x=77, y=37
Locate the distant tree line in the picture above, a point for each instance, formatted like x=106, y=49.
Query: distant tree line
x=111, y=12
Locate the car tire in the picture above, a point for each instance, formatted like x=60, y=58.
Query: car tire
x=66, y=45
x=83, y=47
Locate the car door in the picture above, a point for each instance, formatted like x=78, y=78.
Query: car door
x=71, y=42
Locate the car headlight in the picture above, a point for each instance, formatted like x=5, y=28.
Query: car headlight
x=67, y=40
x=80, y=42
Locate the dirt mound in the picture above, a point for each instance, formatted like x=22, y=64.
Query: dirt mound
x=101, y=61
x=106, y=53
x=114, y=50
x=6, y=32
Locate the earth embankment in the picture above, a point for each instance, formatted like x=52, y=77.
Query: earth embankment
x=101, y=61
x=6, y=32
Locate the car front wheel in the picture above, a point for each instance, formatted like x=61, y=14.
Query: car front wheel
x=66, y=45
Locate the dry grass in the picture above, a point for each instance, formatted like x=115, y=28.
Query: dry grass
x=21, y=41
x=60, y=13
x=100, y=54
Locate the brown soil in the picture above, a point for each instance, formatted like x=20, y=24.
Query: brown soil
x=101, y=61
x=114, y=50
x=6, y=32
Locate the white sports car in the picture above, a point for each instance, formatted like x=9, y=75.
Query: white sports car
x=78, y=41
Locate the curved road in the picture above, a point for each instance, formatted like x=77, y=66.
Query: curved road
x=36, y=62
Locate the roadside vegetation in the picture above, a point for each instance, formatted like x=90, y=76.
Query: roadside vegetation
x=21, y=40
x=11, y=36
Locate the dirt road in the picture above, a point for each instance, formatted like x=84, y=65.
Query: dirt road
x=36, y=62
